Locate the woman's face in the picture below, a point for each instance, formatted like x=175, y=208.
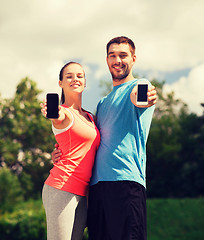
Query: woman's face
x=73, y=79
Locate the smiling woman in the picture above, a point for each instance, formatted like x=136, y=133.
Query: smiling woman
x=75, y=77
x=64, y=191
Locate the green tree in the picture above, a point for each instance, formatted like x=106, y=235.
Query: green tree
x=164, y=147
x=175, y=155
x=25, y=137
x=10, y=190
x=192, y=152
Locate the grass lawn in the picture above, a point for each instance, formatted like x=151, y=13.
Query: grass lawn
x=175, y=219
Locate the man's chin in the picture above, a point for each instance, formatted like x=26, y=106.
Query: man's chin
x=118, y=78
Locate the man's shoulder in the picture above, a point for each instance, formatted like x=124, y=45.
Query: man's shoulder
x=102, y=100
x=100, y=103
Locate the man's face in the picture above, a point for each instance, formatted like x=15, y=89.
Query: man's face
x=120, y=61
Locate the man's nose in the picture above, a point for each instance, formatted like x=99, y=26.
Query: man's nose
x=117, y=59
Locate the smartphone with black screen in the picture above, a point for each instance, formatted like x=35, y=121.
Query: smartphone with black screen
x=52, y=105
x=142, y=89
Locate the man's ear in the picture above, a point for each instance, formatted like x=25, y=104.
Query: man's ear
x=134, y=58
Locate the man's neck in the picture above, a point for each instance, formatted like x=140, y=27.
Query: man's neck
x=119, y=82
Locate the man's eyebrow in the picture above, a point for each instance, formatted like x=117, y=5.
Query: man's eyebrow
x=124, y=53
x=110, y=53
x=119, y=53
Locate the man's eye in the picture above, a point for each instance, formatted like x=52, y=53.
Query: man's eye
x=123, y=56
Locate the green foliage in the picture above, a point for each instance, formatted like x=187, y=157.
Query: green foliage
x=26, y=182
x=178, y=219
x=192, y=138
x=86, y=235
x=10, y=190
x=26, y=138
x=26, y=222
x=175, y=155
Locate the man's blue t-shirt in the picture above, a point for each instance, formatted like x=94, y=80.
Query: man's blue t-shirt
x=124, y=130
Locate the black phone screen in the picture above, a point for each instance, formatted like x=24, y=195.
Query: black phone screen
x=142, y=92
x=52, y=105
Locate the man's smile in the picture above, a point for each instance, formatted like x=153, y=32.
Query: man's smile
x=118, y=68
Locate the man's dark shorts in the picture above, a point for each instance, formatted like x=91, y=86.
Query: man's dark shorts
x=117, y=211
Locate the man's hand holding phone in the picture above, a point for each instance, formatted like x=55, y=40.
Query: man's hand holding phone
x=143, y=95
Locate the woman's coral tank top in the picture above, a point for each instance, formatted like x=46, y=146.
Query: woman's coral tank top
x=78, y=144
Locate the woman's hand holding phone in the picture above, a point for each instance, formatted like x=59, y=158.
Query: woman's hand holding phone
x=50, y=108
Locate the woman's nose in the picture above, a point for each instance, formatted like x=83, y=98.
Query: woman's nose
x=75, y=78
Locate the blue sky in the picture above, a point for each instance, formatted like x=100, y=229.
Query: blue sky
x=38, y=36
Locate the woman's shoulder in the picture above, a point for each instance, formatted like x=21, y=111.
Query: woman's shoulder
x=90, y=114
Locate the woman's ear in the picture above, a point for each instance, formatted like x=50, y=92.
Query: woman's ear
x=60, y=84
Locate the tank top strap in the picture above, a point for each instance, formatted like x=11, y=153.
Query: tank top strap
x=88, y=113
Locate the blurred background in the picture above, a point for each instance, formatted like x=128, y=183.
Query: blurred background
x=38, y=37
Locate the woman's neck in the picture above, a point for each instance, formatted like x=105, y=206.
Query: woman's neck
x=73, y=102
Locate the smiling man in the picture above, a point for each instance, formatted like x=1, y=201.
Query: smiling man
x=117, y=197
x=120, y=60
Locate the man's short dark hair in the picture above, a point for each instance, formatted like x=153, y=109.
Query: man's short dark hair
x=119, y=40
